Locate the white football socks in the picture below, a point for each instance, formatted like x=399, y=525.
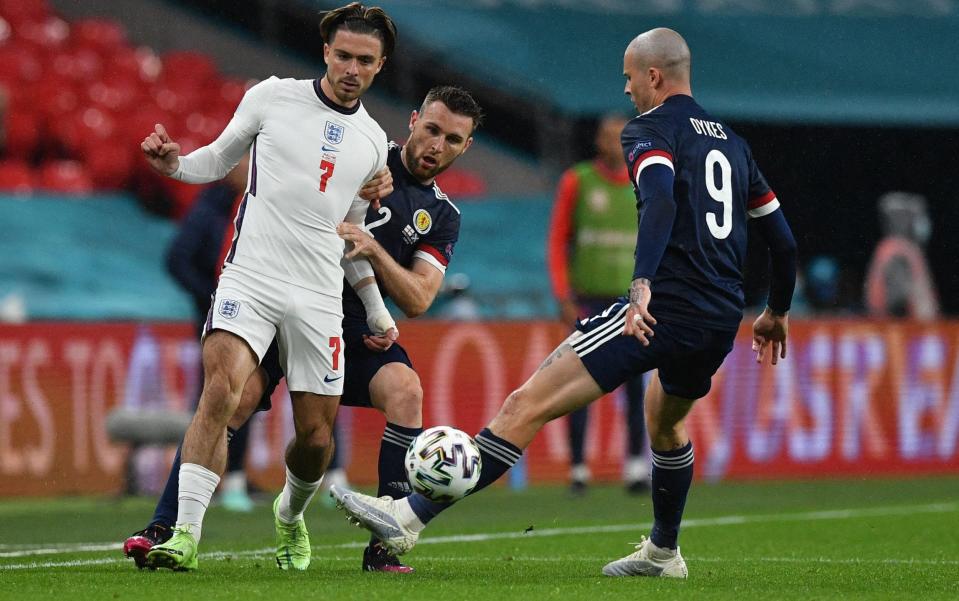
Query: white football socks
x=196, y=489
x=295, y=497
x=407, y=516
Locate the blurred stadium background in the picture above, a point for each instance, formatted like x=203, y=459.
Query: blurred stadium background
x=842, y=102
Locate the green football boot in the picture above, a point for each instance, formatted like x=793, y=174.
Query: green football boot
x=292, y=542
x=178, y=553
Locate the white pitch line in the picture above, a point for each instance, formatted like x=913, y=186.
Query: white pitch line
x=59, y=564
x=65, y=548
x=832, y=514
x=445, y=559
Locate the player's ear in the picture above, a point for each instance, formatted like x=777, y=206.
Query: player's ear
x=413, y=117
x=469, y=142
x=379, y=67
x=655, y=77
x=326, y=53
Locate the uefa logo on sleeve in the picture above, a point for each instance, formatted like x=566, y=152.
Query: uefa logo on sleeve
x=229, y=308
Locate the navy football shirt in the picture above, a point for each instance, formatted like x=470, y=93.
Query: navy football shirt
x=716, y=187
x=415, y=221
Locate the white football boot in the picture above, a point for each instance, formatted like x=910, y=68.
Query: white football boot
x=649, y=560
x=392, y=521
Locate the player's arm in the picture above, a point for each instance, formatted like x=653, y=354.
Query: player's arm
x=651, y=169
x=558, y=241
x=213, y=161
x=414, y=289
x=359, y=274
x=379, y=186
x=772, y=326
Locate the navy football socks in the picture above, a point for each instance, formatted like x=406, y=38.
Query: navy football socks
x=498, y=456
x=236, y=444
x=166, y=509
x=672, y=476
x=392, y=463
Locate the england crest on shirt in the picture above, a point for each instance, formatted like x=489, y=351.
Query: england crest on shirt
x=333, y=132
x=229, y=308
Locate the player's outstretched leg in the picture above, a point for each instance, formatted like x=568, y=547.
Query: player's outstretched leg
x=561, y=385
x=397, y=523
x=395, y=390
x=392, y=484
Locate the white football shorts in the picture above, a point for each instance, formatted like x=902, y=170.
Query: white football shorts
x=308, y=326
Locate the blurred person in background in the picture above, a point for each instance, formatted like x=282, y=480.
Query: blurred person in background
x=591, y=242
x=194, y=259
x=409, y=239
x=899, y=282
x=313, y=147
x=458, y=302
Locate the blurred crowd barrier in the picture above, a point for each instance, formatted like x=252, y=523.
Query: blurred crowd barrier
x=853, y=398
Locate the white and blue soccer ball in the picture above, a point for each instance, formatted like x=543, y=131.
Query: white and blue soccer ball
x=443, y=464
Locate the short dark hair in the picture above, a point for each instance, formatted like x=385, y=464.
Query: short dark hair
x=357, y=18
x=457, y=100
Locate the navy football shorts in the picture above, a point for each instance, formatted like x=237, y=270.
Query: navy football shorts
x=361, y=365
x=686, y=356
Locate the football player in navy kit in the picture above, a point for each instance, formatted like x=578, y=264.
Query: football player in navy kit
x=409, y=239
x=696, y=185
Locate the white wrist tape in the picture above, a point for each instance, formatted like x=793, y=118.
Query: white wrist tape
x=378, y=317
x=356, y=269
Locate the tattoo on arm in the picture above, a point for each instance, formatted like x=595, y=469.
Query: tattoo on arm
x=638, y=290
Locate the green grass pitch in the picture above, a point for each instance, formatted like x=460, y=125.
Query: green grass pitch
x=834, y=539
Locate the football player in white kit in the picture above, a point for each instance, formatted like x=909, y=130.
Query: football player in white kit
x=313, y=146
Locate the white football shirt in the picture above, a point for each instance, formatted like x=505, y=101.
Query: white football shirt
x=309, y=158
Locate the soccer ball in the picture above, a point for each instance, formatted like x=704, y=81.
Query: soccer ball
x=443, y=464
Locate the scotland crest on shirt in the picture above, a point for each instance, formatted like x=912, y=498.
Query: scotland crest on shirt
x=333, y=132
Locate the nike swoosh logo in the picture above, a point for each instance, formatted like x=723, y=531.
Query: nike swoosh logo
x=328, y=379
x=329, y=148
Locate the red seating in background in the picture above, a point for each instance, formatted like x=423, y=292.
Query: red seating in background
x=136, y=125
x=81, y=99
x=110, y=164
x=19, y=65
x=117, y=92
x=20, y=11
x=16, y=177
x=136, y=63
x=85, y=127
x=187, y=68
x=101, y=35
x=76, y=65
x=460, y=183
x=54, y=100
x=22, y=134
x=64, y=177
x=228, y=94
